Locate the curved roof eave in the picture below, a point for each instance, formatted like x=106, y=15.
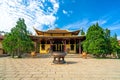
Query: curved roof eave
x=58, y=31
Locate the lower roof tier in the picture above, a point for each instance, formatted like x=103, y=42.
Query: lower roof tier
x=57, y=37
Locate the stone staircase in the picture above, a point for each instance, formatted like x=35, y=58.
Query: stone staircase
x=67, y=56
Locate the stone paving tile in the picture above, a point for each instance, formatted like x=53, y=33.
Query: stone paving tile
x=74, y=69
x=9, y=76
x=52, y=73
x=54, y=76
x=29, y=79
x=39, y=76
x=63, y=78
x=47, y=79
x=12, y=79
x=23, y=76
x=36, y=72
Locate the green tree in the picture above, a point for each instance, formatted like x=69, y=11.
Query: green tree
x=82, y=32
x=9, y=44
x=114, y=44
x=95, y=41
x=18, y=39
x=107, y=42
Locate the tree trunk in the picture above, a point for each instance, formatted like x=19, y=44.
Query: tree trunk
x=19, y=54
x=12, y=54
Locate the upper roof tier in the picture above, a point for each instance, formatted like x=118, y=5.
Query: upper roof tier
x=57, y=31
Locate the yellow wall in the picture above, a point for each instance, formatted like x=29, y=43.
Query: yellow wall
x=67, y=45
x=46, y=48
x=1, y=51
x=73, y=51
x=0, y=44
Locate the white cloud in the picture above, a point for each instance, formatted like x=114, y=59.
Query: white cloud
x=100, y=22
x=118, y=37
x=115, y=25
x=65, y=12
x=34, y=12
x=77, y=25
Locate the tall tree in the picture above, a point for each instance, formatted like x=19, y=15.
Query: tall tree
x=9, y=44
x=114, y=44
x=107, y=42
x=95, y=42
x=19, y=37
x=82, y=32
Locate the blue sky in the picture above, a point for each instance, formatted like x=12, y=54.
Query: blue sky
x=64, y=14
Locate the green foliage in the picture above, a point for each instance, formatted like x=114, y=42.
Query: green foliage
x=99, y=42
x=9, y=44
x=18, y=40
x=95, y=42
x=82, y=32
x=114, y=44
x=107, y=41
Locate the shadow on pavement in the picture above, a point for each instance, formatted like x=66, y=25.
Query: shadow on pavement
x=71, y=62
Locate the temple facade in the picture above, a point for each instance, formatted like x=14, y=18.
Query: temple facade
x=58, y=40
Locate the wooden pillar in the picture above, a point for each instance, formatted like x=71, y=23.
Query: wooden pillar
x=64, y=45
x=40, y=45
x=50, y=44
x=80, y=50
x=35, y=45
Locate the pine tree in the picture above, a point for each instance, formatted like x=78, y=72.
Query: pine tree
x=82, y=32
x=18, y=39
x=114, y=44
x=107, y=42
x=95, y=41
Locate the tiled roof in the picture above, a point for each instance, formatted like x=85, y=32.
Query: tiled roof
x=57, y=31
x=57, y=37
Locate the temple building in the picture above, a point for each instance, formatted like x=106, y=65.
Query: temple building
x=58, y=40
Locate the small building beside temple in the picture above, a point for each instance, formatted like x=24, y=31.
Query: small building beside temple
x=58, y=40
x=1, y=48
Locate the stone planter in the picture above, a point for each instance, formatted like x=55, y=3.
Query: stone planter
x=33, y=54
x=84, y=55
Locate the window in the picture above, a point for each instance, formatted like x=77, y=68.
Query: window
x=67, y=41
x=43, y=42
x=48, y=42
x=43, y=47
x=72, y=47
x=72, y=41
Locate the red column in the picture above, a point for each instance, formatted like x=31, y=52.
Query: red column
x=80, y=47
x=50, y=44
x=40, y=45
x=35, y=46
x=64, y=45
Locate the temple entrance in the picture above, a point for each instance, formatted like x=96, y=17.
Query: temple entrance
x=58, y=46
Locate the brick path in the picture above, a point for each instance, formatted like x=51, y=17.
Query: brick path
x=44, y=69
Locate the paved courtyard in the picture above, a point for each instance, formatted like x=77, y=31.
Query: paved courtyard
x=44, y=69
